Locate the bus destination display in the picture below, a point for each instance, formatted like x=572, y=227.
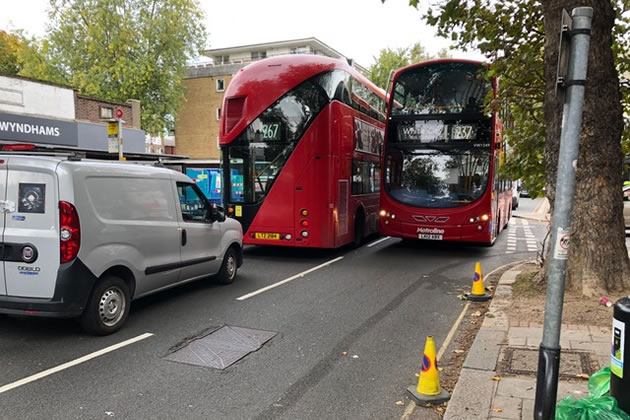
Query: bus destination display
x=431, y=131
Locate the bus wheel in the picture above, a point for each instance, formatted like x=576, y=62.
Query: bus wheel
x=359, y=229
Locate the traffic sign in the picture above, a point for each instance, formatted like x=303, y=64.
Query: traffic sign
x=119, y=112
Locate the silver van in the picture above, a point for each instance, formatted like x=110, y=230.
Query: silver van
x=83, y=238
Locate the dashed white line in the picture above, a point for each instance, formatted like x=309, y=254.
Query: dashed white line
x=378, y=242
x=72, y=363
x=280, y=283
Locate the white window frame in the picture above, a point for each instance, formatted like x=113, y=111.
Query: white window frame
x=218, y=113
x=222, y=81
x=106, y=112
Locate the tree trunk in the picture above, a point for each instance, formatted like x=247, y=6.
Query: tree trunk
x=598, y=259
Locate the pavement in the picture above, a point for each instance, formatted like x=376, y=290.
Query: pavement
x=498, y=378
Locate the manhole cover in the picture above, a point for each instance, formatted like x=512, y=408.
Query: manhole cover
x=520, y=361
x=221, y=347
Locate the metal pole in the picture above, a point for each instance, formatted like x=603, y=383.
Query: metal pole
x=549, y=355
x=120, y=140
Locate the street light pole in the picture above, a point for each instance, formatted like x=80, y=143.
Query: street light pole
x=549, y=355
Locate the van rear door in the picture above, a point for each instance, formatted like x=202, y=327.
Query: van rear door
x=3, y=208
x=31, y=233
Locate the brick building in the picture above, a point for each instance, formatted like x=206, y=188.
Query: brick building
x=91, y=109
x=197, y=125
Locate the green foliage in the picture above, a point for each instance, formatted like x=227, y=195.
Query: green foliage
x=390, y=60
x=122, y=49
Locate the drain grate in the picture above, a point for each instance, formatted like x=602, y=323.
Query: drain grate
x=221, y=347
x=521, y=361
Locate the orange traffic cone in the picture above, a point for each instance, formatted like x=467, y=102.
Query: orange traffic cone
x=428, y=390
x=478, y=291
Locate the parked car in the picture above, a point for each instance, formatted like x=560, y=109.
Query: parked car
x=626, y=206
x=516, y=194
x=84, y=238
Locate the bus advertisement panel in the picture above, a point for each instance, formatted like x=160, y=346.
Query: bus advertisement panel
x=301, y=137
x=442, y=153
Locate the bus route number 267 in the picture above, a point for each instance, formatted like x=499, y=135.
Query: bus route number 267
x=271, y=131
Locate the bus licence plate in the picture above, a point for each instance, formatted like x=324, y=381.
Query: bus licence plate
x=431, y=237
x=261, y=235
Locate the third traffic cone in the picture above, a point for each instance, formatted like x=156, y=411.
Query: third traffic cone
x=478, y=291
x=428, y=390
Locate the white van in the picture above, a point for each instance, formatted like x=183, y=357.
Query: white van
x=83, y=238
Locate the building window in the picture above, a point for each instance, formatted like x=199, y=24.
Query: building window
x=218, y=144
x=218, y=113
x=258, y=55
x=106, y=112
x=220, y=85
x=300, y=50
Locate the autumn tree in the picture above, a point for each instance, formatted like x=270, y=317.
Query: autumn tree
x=10, y=46
x=122, y=49
x=520, y=38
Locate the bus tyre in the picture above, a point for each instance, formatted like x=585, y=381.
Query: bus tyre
x=108, y=307
x=359, y=230
x=229, y=267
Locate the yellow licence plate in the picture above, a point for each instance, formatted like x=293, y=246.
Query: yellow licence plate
x=260, y=235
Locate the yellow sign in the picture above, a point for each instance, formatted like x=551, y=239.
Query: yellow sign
x=239, y=211
x=112, y=128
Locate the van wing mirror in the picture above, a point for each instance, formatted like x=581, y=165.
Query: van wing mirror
x=217, y=213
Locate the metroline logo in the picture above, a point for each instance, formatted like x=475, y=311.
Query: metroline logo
x=430, y=231
x=26, y=128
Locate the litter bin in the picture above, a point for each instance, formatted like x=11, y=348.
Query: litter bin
x=620, y=352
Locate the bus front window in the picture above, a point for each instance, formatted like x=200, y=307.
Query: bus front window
x=434, y=179
x=256, y=157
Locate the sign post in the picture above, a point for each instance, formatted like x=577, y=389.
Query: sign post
x=578, y=30
x=119, y=114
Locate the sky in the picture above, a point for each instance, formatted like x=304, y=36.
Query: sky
x=358, y=29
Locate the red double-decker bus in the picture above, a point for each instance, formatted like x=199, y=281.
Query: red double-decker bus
x=442, y=154
x=301, y=139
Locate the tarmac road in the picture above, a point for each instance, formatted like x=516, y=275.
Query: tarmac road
x=350, y=339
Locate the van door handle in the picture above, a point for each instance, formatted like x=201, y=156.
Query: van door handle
x=184, y=237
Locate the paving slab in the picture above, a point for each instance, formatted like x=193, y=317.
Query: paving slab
x=510, y=407
x=517, y=387
x=484, y=352
x=472, y=396
x=509, y=277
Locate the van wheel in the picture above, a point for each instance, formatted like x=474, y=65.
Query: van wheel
x=108, y=307
x=228, y=270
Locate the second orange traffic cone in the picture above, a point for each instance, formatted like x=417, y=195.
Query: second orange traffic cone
x=478, y=290
x=428, y=390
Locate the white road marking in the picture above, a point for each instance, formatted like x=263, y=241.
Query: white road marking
x=378, y=242
x=280, y=283
x=72, y=363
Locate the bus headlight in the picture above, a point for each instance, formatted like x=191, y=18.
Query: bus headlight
x=484, y=217
x=382, y=213
x=304, y=234
x=288, y=236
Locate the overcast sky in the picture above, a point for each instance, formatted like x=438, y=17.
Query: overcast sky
x=358, y=29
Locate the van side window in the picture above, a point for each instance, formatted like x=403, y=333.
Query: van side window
x=193, y=204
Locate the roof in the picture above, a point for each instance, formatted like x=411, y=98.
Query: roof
x=288, y=43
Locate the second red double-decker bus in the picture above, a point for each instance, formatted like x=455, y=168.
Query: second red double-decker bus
x=301, y=139
x=442, y=154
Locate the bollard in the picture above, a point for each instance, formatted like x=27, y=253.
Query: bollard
x=619, y=364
